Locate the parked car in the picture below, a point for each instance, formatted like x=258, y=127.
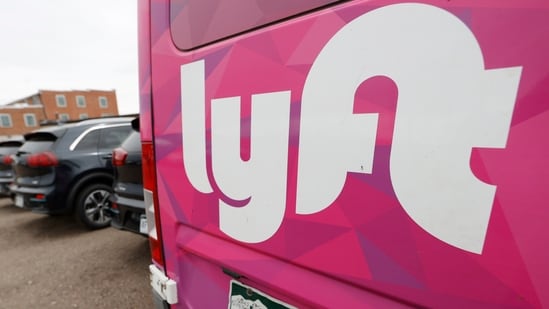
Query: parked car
x=127, y=201
x=67, y=169
x=7, y=148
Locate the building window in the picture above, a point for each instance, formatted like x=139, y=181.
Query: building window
x=64, y=117
x=30, y=120
x=106, y=115
x=80, y=101
x=5, y=121
x=83, y=116
x=103, y=103
x=61, y=101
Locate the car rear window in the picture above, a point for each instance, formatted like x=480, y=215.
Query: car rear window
x=112, y=137
x=88, y=142
x=133, y=142
x=7, y=150
x=9, y=147
x=38, y=142
x=15, y=144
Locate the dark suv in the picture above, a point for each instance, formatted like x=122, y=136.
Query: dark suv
x=127, y=201
x=67, y=169
x=7, y=148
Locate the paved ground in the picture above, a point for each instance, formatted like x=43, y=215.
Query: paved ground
x=52, y=262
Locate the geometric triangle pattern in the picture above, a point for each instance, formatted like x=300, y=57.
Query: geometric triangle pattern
x=363, y=248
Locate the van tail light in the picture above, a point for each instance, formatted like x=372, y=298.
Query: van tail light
x=7, y=160
x=151, y=204
x=119, y=156
x=42, y=159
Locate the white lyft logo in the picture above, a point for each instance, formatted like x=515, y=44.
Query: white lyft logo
x=447, y=104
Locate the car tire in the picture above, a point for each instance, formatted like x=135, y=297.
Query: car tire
x=92, y=204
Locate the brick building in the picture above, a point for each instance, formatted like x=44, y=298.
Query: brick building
x=47, y=106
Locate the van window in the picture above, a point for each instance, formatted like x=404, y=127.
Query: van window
x=199, y=22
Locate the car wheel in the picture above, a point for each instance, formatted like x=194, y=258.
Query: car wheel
x=92, y=204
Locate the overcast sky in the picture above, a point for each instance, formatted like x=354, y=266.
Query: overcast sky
x=69, y=45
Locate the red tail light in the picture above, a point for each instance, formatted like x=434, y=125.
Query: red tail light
x=151, y=204
x=43, y=159
x=119, y=156
x=7, y=160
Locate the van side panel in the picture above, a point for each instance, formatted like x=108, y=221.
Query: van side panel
x=369, y=154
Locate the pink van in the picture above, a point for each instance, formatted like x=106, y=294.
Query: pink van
x=346, y=154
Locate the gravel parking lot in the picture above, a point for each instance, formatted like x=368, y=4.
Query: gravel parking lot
x=52, y=262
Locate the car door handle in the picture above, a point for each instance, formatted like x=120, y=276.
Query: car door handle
x=107, y=157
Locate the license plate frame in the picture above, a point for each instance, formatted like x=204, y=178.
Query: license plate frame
x=243, y=296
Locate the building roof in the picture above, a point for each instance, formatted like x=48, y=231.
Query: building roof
x=21, y=105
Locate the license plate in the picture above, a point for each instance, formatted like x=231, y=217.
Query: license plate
x=245, y=297
x=143, y=226
x=19, y=201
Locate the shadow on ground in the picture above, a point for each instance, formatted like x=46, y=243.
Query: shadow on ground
x=6, y=207
x=52, y=226
x=39, y=225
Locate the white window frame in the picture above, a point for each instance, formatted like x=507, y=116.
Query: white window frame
x=58, y=98
x=33, y=116
x=83, y=116
x=78, y=98
x=2, y=122
x=63, y=115
x=101, y=99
